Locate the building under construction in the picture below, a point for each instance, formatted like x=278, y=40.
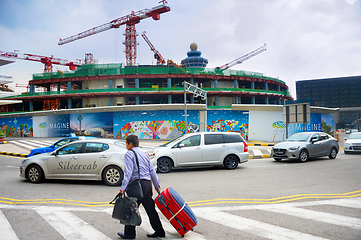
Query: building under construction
x=99, y=85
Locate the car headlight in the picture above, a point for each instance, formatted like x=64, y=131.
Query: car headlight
x=293, y=148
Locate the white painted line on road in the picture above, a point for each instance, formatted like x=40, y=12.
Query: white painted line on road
x=5, y=229
x=166, y=225
x=317, y=216
x=257, y=152
x=22, y=145
x=351, y=203
x=36, y=144
x=252, y=226
x=17, y=167
x=70, y=226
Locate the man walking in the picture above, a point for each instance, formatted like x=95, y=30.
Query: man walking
x=147, y=174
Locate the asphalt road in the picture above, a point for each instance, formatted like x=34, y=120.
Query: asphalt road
x=261, y=199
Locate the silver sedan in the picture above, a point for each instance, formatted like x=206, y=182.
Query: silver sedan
x=93, y=159
x=305, y=145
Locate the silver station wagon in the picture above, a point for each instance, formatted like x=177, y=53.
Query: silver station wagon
x=202, y=149
x=93, y=159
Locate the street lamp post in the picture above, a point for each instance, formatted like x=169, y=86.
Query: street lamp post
x=80, y=118
x=196, y=91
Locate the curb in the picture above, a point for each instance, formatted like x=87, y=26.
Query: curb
x=14, y=154
x=261, y=144
x=259, y=156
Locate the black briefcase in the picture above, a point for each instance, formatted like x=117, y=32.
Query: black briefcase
x=126, y=210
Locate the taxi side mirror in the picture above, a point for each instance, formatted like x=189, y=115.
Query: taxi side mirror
x=181, y=145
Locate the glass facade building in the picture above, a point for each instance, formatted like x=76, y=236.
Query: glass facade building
x=342, y=92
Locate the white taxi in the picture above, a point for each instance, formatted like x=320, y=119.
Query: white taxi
x=92, y=159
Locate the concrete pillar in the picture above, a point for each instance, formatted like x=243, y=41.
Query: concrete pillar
x=236, y=86
x=58, y=87
x=267, y=100
x=192, y=96
x=279, y=88
x=266, y=86
x=216, y=98
x=137, y=86
x=110, y=85
x=48, y=88
x=31, y=106
x=70, y=101
x=169, y=85
x=253, y=100
x=252, y=85
x=32, y=89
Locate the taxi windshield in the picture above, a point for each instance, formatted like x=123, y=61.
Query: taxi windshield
x=299, y=137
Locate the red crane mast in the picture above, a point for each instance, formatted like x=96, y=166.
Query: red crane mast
x=130, y=33
x=47, y=61
x=243, y=58
x=157, y=55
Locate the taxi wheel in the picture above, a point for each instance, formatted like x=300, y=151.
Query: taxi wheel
x=34, y=174
x=333, y=153
x=231, y=162
x=164, y=165
x=113, y=176
x=303, y=156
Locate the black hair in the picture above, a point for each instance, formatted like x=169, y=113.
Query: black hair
x=133, y=139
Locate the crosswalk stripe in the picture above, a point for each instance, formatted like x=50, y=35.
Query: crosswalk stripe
x=5, y=228
x=36, y=143
x=351, y=203
x=70, y=226
x=317, y=216
x=23, y=145
x=252, y=226
x=257, y=152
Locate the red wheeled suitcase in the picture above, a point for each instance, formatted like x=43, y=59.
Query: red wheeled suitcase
x=176, y=210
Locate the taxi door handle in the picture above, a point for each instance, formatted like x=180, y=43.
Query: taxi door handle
x=73, y=158
x=103, y=156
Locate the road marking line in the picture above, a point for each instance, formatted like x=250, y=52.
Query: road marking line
x=351, y=203
x=316, y=216
x=257, y=152
x=70, y=226
x=254, y=227
x=23, y=145
x=6, y=230
x=36, y=144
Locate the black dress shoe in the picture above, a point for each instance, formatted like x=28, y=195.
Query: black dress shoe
x=154, y=235
x=122, y=235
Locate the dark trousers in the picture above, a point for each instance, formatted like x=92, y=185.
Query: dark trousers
x=149, y=207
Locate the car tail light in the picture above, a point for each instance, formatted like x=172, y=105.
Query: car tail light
x=245, y=147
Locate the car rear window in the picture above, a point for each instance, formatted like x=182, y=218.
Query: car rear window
x=213, y=139
x=232, y=138
x=95, y=147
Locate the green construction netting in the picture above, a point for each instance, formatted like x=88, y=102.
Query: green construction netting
x=174, y=89
x=117, y=69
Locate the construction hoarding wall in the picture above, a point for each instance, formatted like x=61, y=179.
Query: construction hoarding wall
x=162, y=124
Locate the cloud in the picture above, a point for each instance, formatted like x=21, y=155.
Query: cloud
x=306, y=39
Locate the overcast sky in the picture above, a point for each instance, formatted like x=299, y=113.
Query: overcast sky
x=306, y=39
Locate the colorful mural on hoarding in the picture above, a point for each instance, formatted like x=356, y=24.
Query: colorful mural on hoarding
x=58, y=125
x=154, y=124
x=319, y=123
x=17, y=127
x=228, y=121
x=92, y=124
